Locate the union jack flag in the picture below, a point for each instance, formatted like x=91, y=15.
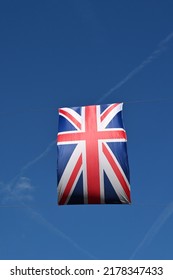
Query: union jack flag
x=92, y=163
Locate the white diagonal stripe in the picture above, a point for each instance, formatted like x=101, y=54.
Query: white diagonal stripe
x=110, y=115
x=68, y=170
x=113, y=178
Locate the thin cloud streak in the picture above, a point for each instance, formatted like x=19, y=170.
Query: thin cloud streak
x=59, y=232
x=162, y=46
x=155, y=228
x=31, y=163
x=34, y=161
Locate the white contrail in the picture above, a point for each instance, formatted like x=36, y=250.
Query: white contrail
x=43, y=154
x=59, y=232
x=31, y=163
x=160, y=221
x=162, y=46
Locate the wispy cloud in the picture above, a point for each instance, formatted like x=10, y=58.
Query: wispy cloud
x=162, y=46
x=154, y=229
x=20, y=191
x=23, y=189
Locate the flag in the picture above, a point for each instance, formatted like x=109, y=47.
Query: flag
x=92, y=160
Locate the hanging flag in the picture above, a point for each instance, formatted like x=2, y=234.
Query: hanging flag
x=92, y=165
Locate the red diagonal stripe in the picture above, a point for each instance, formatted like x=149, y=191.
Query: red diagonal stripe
x=70, y=117
x=117, y=171
x=106, y=112
x=71, y=181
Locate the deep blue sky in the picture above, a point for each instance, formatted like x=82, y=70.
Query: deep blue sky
x=71, y=53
